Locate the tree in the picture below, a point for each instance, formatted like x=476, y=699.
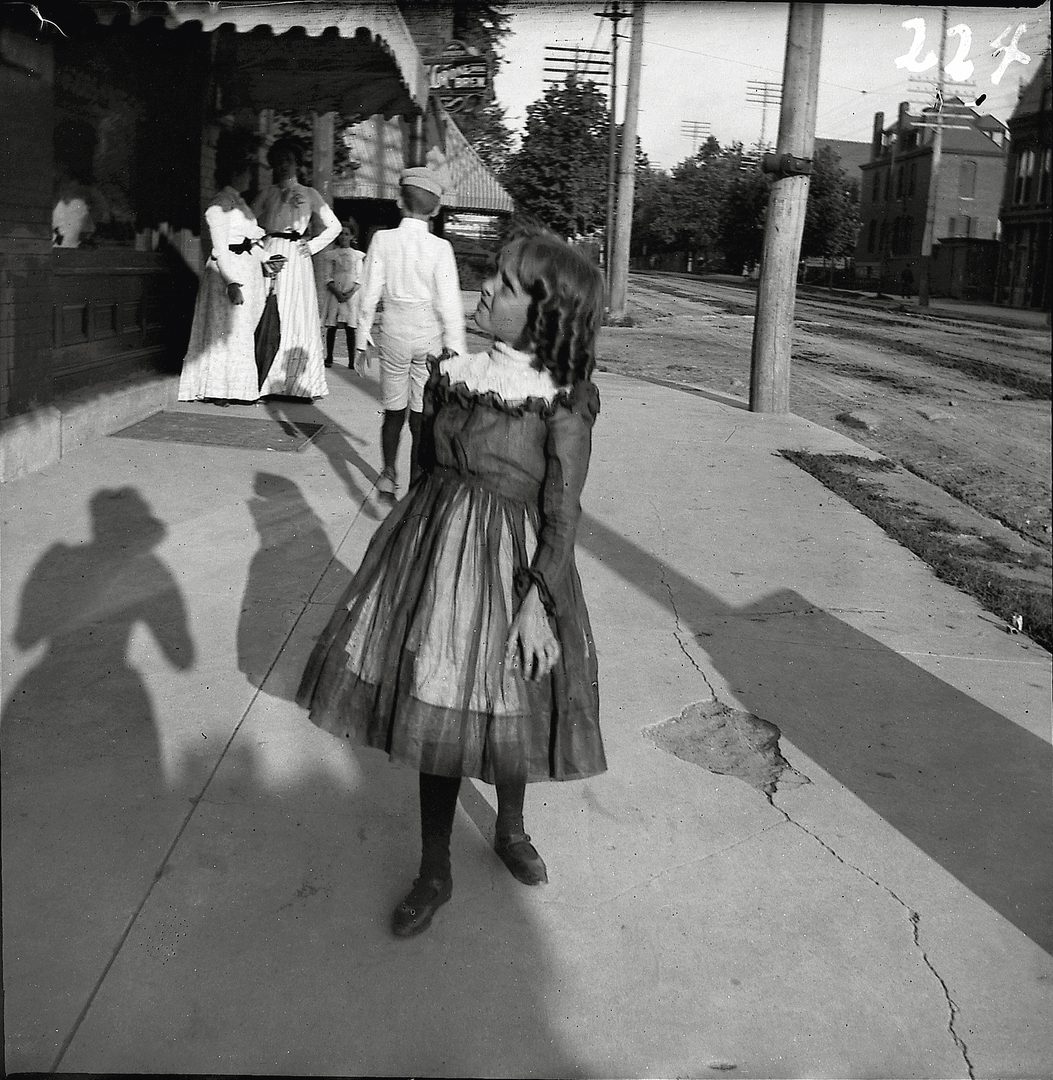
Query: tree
x=488, y=134
x=483, y=26
x=745, y=208
x=832, y=220
x=654, y=212
x=559, y=174
x=704, y=183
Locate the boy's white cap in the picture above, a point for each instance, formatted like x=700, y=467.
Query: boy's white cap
x=422, y=177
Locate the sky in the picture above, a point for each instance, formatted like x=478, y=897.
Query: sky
x=699, y=55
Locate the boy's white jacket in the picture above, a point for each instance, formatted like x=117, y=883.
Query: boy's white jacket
x=409, y=265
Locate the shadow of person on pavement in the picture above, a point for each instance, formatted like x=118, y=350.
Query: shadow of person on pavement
x=338, y=444
x=84, y=763
x=293, y=559
x=964, y=784
x=83, y=704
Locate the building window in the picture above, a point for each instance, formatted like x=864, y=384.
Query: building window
x=888, y=178
x=871, y=237
x=913, y=177
x=1022, y=179
x=967, y=225
x=1043, y=176
x=952, y=226
x=967, y=180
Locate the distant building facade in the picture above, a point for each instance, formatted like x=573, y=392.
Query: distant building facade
x=896, y=185
x=1023, y=272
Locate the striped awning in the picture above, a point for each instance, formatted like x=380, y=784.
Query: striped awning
x=354, y=58
x=377, y=146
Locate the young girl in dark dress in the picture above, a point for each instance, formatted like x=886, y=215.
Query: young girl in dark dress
x=462, y=646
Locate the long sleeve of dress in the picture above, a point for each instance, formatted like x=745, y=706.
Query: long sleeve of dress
x=330, y=221
x=568, y=447
x=218, y=220
x=449, y=303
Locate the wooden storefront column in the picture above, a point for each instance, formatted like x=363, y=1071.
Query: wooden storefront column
x=323, y=132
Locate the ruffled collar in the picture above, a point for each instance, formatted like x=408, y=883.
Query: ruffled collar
x=448, y=385
x=504, y=371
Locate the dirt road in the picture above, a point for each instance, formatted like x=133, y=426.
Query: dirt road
x=965, y=405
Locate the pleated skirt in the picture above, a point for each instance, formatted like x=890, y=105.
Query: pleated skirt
x=413, y=660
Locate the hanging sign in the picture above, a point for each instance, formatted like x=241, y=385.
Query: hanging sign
x=460, y=78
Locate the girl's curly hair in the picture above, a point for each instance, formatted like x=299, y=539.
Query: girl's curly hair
x=566, y=303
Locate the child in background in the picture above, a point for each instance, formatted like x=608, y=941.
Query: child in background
x=415, y=274
x=462, y=646
x=341, y=271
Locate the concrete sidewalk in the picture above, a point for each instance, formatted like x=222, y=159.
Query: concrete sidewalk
x=196, y=880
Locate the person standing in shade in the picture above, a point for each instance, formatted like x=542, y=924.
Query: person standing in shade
x=415, y=274
x=341, y=271
x=220, y=363
x=286, y=211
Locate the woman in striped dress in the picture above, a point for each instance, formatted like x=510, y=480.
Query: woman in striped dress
x=286, y=210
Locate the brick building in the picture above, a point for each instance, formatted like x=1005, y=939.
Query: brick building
x=897, y=181
x=119, y=106
x=1023, y=273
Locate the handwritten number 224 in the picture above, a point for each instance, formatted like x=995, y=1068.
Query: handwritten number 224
x=960, y=69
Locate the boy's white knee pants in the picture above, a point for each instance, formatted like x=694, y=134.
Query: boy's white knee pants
x=409, y=332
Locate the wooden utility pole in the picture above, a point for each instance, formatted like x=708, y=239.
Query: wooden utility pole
x=615, y=15
x=619, y=278
x=776, y=292
x=929, y=237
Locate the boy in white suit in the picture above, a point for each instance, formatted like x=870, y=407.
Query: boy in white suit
x=415, y=274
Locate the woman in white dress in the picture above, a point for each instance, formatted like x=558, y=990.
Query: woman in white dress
x=341, y=272
x=286, y=210
x=220, y=364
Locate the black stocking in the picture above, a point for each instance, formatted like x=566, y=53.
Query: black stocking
x=510, y=796
x=390, y=433
x=416, y=422
x=438, y=804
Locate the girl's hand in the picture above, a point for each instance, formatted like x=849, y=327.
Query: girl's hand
x=272, y=267
x=234, y=294
x=531, y=640
x=304, y=248
x=334, y=290
x=362, y=361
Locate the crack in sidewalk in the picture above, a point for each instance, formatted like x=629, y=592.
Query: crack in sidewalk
x=915, y=921
x=678, y=634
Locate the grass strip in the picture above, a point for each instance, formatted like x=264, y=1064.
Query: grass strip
x=973, y=567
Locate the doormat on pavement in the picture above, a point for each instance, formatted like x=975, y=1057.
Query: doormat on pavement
x=202, y=429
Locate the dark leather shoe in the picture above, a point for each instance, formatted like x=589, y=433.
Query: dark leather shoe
x=521, y=857
x=414, y=914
